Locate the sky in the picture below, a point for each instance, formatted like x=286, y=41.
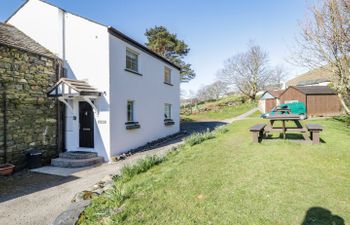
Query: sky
x=214, y=29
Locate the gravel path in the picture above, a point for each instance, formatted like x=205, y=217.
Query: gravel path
x=36, y=199
x=241, y=117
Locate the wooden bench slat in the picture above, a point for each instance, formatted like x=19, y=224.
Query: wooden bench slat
x=257, y=132
x=314, y=127
x=257, y=127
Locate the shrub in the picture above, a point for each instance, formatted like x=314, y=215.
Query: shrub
x=120, y=191
x=141, y=166
x=198, y=138
x=344, y=119
x=220, y=130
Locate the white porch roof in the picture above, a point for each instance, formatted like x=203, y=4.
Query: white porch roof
x=66, y=89
x=69, y=88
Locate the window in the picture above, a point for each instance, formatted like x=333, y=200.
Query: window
x=167, y=75
x=167, y=111
x=132, y=61
x=130, y=111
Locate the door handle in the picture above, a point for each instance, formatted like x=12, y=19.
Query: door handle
x=86, y=129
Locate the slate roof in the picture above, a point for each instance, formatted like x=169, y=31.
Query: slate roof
x=276, y=93
x=273, y=93
x=11, y=36
x=316, y=90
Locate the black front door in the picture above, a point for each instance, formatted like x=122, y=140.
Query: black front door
x=86, y=120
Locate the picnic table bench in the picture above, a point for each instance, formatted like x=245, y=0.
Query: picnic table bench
x=284, y=128
x=314, y=130
x=258, y=132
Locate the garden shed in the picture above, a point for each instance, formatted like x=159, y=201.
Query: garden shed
x=268, y=100
x=319, y=100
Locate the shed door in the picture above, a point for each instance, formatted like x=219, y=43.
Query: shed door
x=269, y=104
x=86, y=120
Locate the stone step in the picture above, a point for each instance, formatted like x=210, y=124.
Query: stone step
x=74, y=163
x=78, y=155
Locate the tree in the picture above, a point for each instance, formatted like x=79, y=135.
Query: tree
x=325, y=43
x=217, y=89
x=161, y=41
x=277, y=76
x=248, y=72
x=203, y=93
x=212, y=91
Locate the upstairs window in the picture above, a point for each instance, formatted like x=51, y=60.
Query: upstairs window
x=132, y=61
x=167, y=111
x=167, y=75
x=130, y=111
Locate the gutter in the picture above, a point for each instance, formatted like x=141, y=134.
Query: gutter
x=121, y=36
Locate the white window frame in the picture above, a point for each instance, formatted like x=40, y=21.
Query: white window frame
x=167, y=111
x=128, y=50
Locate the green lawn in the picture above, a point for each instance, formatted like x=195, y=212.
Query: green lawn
x=226, y=112
x=256, y=114
x=230, y=180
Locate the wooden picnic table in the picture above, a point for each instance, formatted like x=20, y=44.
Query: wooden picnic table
x=299, y=128
x=283, y=111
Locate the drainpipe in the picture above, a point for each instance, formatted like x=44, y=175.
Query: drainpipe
x=64, y=36
x=58, y=112
x=62, y=74
x=5, y=121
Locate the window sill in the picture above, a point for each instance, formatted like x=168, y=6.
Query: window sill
x=134, y=72
x=168, y=84
x=169, y=122
x=132, y=125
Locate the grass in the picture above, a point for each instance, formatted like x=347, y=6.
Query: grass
x=225, y=112
x=226, y=179
x=256, y=114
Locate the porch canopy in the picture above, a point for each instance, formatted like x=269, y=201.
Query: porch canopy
x=69, y=89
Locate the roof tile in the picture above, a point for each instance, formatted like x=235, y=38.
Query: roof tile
x=11, y=36
x=316, y=90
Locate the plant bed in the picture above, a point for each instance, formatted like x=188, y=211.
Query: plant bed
x=6, y=169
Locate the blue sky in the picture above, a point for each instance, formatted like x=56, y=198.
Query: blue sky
x=214, y=29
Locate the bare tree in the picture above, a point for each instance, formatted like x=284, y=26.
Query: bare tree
x=218, y=89
x=325, y=43
x=277, y=76
x=247, y=72
x=203, y=93
x=212, y=91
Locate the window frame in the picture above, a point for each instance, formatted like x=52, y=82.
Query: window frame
x=132, y=111
x=165, y=75
x=169, y=111
x=130, y=51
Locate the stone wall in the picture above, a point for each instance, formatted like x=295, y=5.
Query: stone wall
x=31, y=115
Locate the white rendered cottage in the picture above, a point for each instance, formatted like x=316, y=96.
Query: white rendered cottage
x=119, y=95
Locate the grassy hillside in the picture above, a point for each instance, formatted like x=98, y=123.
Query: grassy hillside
x=229, y=180
x=221, y=109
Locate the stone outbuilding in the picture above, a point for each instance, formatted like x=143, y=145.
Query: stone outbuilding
x=28, y=118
